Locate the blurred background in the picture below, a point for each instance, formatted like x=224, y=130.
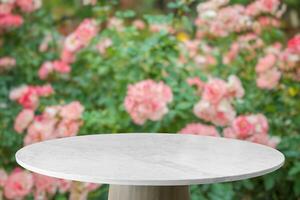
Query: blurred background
x=219, y=68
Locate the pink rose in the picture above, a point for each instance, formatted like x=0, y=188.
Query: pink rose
x=44, y=91
x=265, y=63
x=139, y=24
x=294, y=44
x=45, y=184
x=147, y=100
x=72, y=43
x=264, y=139
x=61, y=67
x=234, y=87
x=103, y=45
x=7, y=63
x=214, y=90
x=6, y=8
x=64, y=185
x=260, y=123
x=18, y=184
x=3, y=177
x=220, y=114
x=67, y=56
x=86, y=31
x=196, y=81
x=269, y=79
x=41, y=129
x=72, y=111
x=200, y=129
x=29, y=99
x=29, y=5
x=229, y=133
x=17, y=93
x=243, y=127
x=9, y=20
x=67, y=128
x=23, y=119
x=45, y=70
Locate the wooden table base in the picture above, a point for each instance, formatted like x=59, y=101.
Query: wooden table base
x=124, y=192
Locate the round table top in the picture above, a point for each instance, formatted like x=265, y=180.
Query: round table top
x=149, y=159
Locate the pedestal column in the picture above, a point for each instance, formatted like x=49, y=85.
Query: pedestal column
x=124, y=192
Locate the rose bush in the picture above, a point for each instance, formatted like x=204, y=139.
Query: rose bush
x=223, y=70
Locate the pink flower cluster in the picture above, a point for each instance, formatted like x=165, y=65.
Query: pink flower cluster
x=7, y=63
x=248, y=43
x=103, y=45
x=216, y=103
x=200, y=129
x=8, y=19
x=252, y=128
x=268, y=75
x=201, y=53
x=77, y=40
x=20, y=183
x=217, y=18
x=54, y=122
x=28, y=96
x=276, y=61
x=147, y=100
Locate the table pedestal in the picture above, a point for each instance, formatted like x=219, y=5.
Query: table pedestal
x=127, y=192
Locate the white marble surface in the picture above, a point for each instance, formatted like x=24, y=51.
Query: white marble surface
x=149, y=159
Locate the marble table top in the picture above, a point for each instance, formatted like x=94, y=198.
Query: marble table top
x=149, y=159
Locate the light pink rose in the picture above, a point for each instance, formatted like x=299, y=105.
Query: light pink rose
x=7, y=63
x=264, y=139
x=41, y=129
x=72, y=111
x=23, y=119
x=72, y=43
x=232, y=54
x=3, y=177
x=90, y=187
x=18, y=184
x=214, y=90
x=6, y=8
x=45, y=184
x=269, y=79
x=64, y=185
x=86, y=31
x=200, y=129
x=243, y=127
x=61, y=67
x=67, y=128
x=45, y=70
x=18, y=92
x=220, y=114
x=229, y=133
x=29, y=5
x=139, y=24
x=265, y=63
x=234, y=87
x=196, y=81
x=52, y=111
x=147, y=100
x=44, y=91
x=260, y=123
x=67, y=56
x=103, y=45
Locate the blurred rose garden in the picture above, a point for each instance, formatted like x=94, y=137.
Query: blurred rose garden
x=219, y=68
